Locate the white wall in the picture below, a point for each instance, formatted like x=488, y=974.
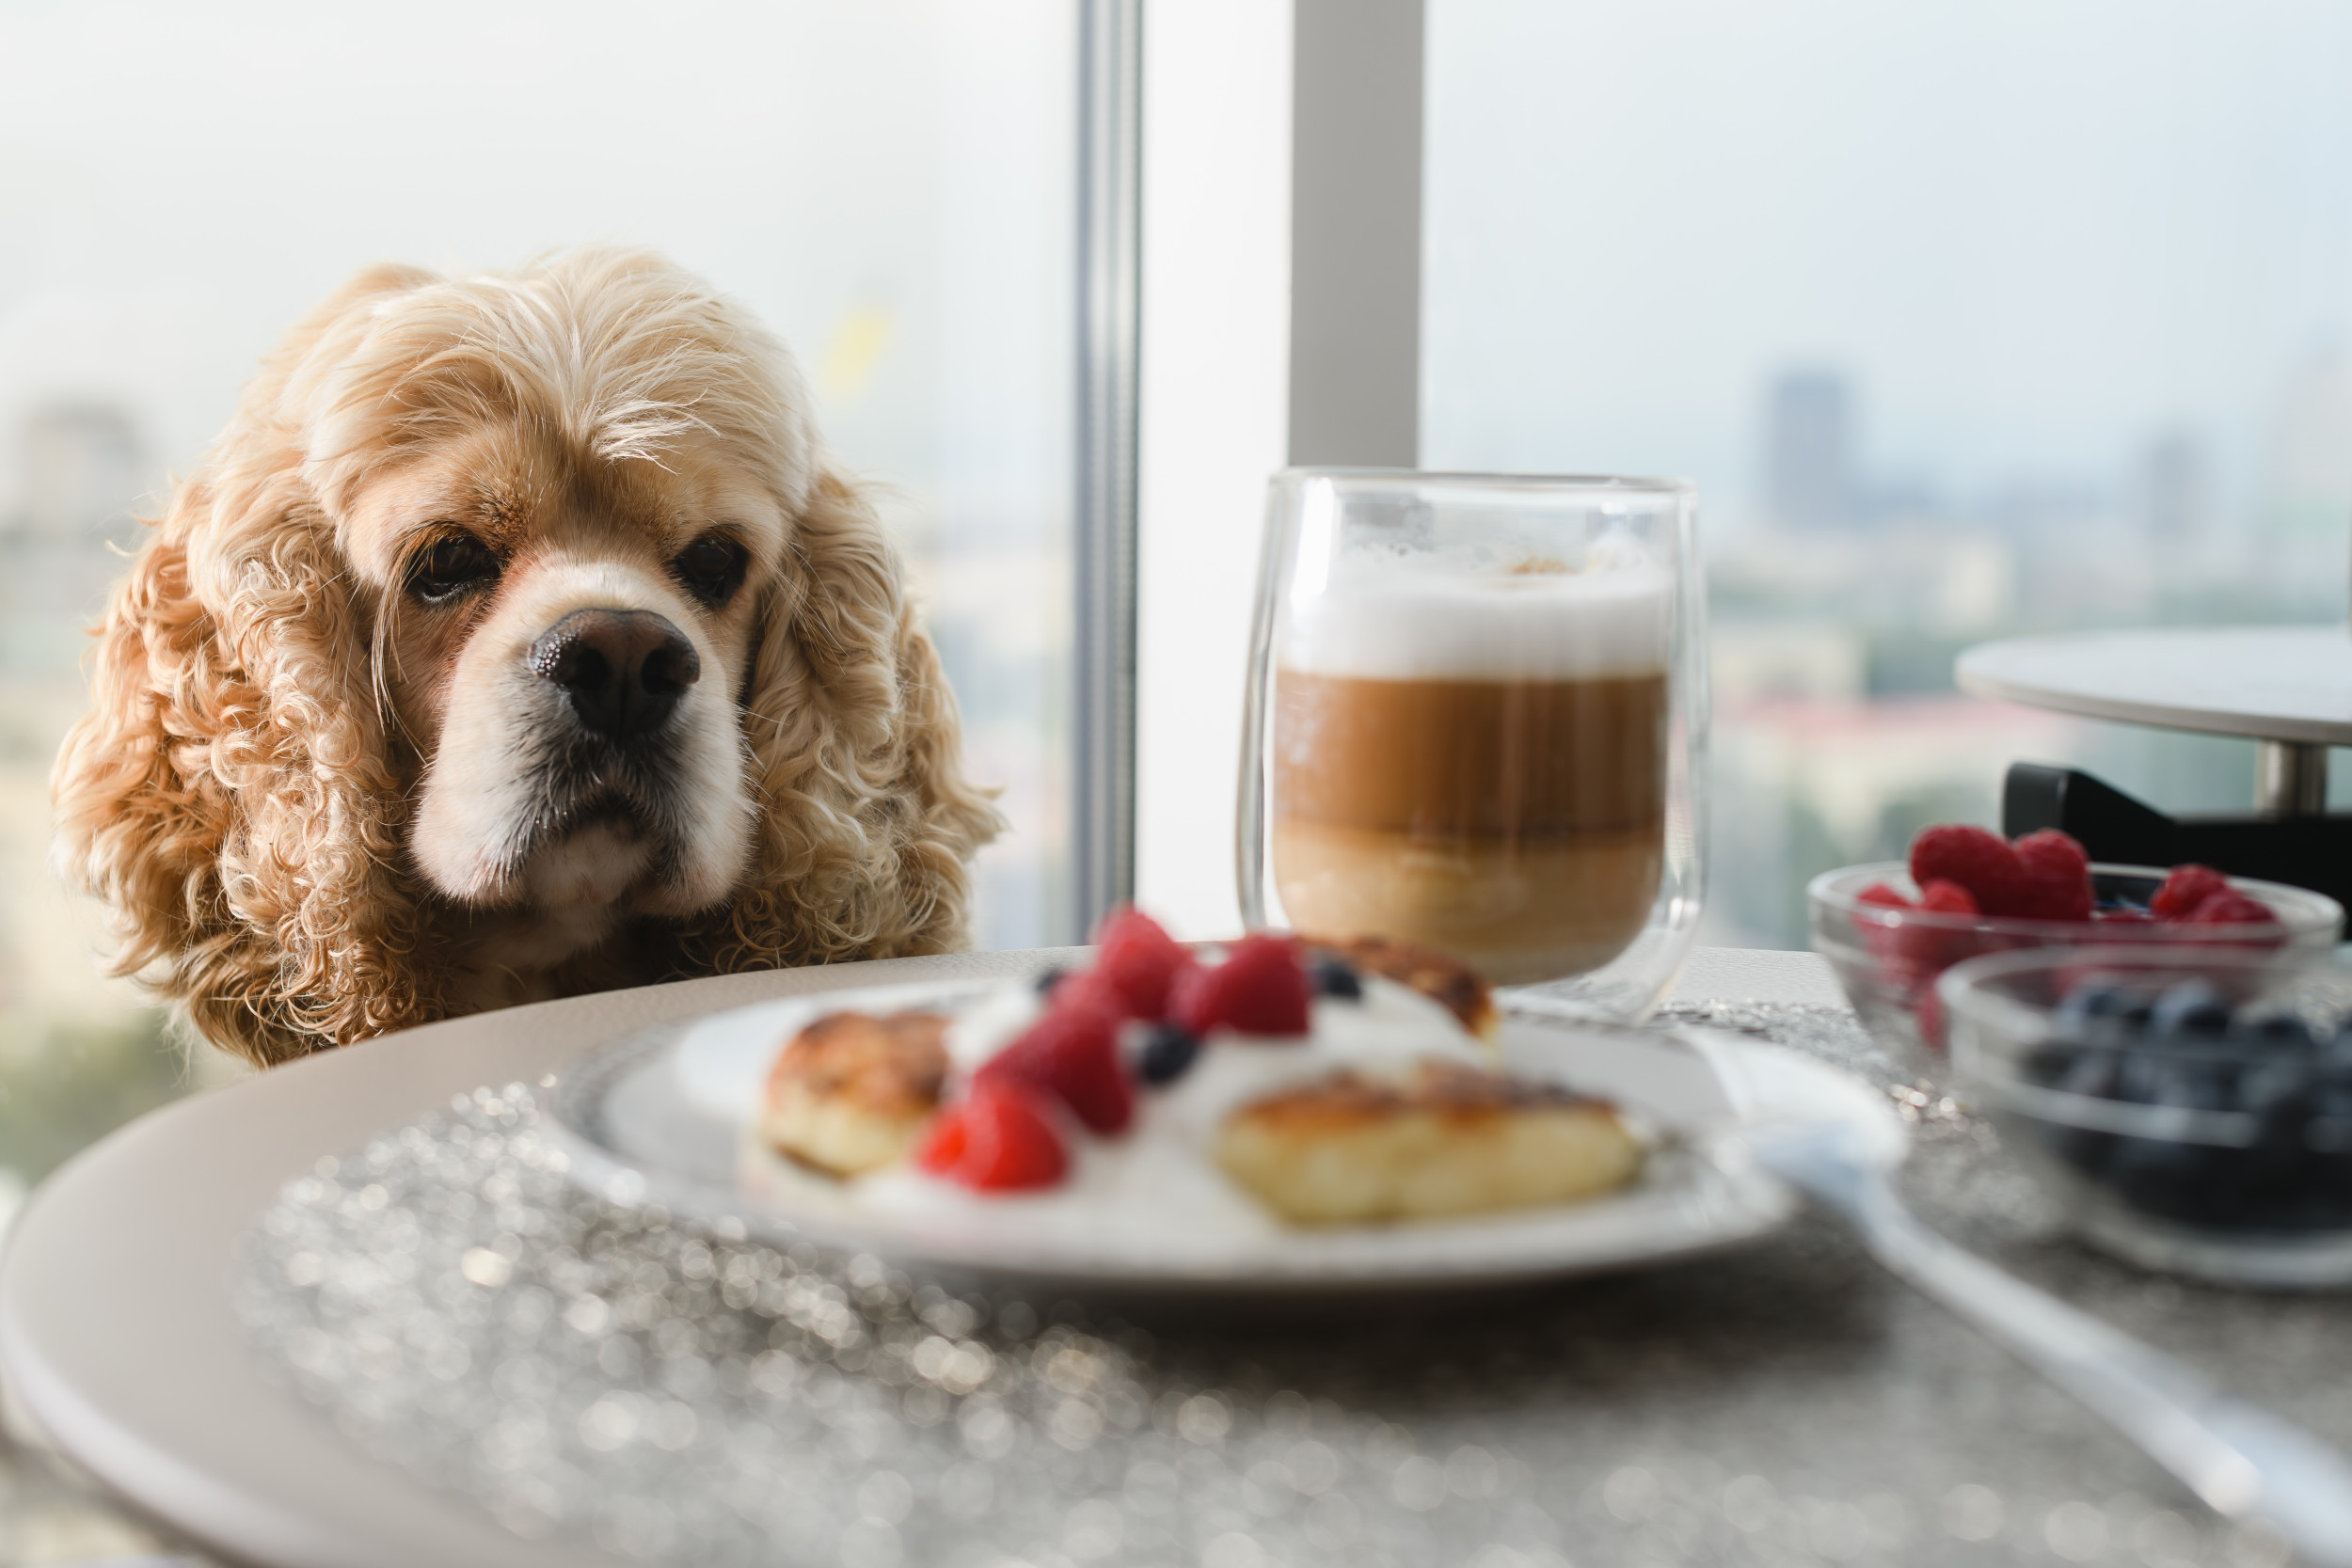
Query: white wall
x=1215, y=402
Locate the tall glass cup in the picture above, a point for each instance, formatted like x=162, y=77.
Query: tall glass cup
x=1476, y=721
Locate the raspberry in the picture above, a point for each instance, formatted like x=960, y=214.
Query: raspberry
x=2231, y=908
x=1138, y=959
x=1928, y=1010
x=2185, y=888
x=1912, y=953
x=1072, y=1054
x=1261, y=989
x=1924, y=949
x=2054, y=851
x=1946, y=897
x=2056, y=880
x=1883, y=896
x=996, y=1140
x=1090, y=990
x=1981, y=861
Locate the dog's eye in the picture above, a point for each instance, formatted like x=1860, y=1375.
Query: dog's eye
x=453, y=564
x=711, y=568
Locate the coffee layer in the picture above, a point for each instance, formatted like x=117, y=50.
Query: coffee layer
x=1445, y=757
x=1520, y=909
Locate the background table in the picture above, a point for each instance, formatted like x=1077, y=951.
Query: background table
x=1792, y=1374
x=2288, y=687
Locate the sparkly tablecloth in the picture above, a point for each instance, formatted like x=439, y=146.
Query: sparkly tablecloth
x=672, y=1394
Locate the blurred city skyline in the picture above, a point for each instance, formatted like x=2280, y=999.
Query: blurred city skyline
x=2033, y=243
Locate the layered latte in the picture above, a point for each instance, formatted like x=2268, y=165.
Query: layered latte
x=1476, y=762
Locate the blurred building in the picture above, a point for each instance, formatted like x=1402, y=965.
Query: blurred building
x=2172, y=489
x=1810, y=451
x=2310, y=452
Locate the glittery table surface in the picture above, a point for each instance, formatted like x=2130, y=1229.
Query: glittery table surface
x=658, y=1393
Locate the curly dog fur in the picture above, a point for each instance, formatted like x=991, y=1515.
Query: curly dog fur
x=279, y=792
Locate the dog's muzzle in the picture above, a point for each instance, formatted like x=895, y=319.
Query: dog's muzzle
x=622, y=671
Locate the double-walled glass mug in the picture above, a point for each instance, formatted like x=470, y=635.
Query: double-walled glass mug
x=1476, y=721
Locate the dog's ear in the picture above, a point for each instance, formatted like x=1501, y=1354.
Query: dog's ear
x=229, y=794
x=865, y=819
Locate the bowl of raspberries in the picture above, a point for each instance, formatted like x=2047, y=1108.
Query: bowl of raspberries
x=2190, y=1108
x=1890, y=929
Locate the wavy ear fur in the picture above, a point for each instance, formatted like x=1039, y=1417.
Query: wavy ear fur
x=232, y=796
x=866, y=820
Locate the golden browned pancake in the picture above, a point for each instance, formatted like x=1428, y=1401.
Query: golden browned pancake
x=1448, y=1140
x=1447, y=981
x=851, y=1091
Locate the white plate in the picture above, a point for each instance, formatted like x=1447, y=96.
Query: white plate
x=666, y=1120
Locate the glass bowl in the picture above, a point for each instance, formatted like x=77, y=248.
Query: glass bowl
x=1888, y=959
x=2190, y=1106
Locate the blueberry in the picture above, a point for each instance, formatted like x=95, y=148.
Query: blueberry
x=2171, y=1179
x=2140, y=1079
x=2048, y=1064
x=2334, y=1091
x=1169, y=1051
x=2191, y=1007
x=1047, y=981
x=2095, y=1000
x=2278, y=1032
x=1330, y=975
x=2088, y=1072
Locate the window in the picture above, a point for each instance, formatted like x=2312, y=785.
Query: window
x=1968, y=319
x=891, y=185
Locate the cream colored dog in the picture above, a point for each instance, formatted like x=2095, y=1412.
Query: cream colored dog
x=514, y=641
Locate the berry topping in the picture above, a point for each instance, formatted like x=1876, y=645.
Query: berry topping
x=1947, y=897
x=2057, y=876
x=2186, y=887
x=1088, y=990
x=1138, y=959
x=995, y=1140
x=1330, y=975
x=2230, y=906
x=1983, y=863
x=1072, y=1054
x=1261, y=989
x=1168, y=1053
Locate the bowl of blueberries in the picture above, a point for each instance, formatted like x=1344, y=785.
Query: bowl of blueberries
x=2191, y=1107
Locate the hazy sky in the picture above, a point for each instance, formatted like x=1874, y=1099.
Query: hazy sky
x=2034, y=230
x=178, y=184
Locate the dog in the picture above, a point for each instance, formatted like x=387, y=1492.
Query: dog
x=516, y=640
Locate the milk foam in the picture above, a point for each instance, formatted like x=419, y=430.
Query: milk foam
x=1565, y=626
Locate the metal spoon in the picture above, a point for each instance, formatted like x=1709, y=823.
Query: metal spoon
x=2244, y=1463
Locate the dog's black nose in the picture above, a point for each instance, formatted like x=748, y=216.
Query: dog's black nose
x=624, y=670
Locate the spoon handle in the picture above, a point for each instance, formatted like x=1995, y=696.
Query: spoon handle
x=2242, y=1460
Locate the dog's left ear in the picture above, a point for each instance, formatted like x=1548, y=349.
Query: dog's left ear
x=866, y=820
